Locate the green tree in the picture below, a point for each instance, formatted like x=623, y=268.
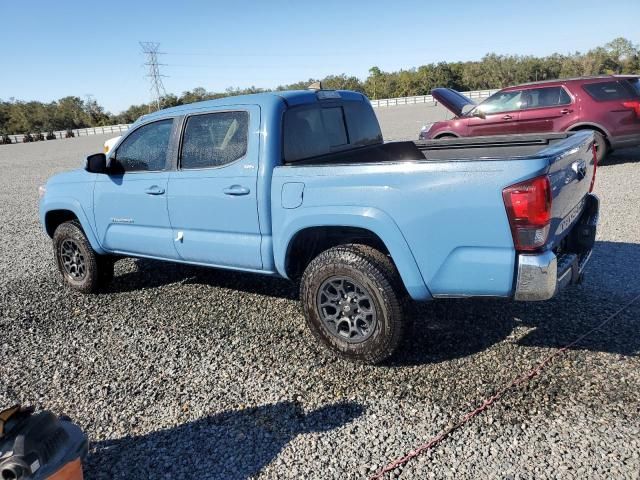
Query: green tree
x=492, y=71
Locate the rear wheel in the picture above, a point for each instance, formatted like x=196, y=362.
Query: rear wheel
x=602, y=149
x=352, y=300
x=80, y=266
x=446, y=136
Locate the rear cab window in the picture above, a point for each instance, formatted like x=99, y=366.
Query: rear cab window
x=611, y=90
x=328, y=126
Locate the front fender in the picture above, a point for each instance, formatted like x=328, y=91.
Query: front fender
x=372, y=219
x=73, y=205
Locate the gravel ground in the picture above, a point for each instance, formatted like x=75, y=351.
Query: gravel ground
x=182, y=372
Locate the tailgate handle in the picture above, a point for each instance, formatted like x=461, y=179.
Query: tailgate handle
x=580, y=169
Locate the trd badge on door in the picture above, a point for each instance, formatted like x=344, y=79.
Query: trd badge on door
x=122, y=220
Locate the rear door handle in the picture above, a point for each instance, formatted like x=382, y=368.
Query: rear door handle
x=564, y=111
x=507, y=117
x=154, y=190
x=236, y=190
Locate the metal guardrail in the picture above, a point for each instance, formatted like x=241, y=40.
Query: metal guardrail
x=79, y=132
x=392, y=102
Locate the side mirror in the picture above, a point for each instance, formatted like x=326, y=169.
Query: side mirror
x=96, y=163
x=479, y=113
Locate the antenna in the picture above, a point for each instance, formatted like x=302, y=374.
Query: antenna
x=150, y=49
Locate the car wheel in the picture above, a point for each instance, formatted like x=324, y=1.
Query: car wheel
x=602, y=149
x=446, y=136
x=352, y=299
x=81, y=268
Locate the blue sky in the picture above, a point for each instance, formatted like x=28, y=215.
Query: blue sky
x=53, y=49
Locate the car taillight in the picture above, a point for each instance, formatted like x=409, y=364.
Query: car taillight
x=595, y=166
x=528, y=207
x=633, y=105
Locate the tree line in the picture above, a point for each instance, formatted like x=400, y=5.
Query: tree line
x=492, y=71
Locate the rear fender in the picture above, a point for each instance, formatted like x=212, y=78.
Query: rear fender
x=372, y=219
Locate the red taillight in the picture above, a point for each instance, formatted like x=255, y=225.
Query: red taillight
x=595, y=167
x=528, y=207
x=633, y=105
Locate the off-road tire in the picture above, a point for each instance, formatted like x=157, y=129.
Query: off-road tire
x=375, y=272
x=98, y=270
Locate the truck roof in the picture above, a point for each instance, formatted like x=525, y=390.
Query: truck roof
x=266, y=100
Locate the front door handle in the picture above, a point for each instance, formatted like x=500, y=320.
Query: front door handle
x=236, y=190
x=507, y=117
x=564, y=111
x=154, y=190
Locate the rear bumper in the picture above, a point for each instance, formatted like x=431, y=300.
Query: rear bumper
x=542, y=275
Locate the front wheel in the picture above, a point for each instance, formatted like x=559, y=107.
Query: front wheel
x=351, y=296
x=80, y=266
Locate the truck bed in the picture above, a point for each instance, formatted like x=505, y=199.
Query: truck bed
x=497, y=147
x=443, y=196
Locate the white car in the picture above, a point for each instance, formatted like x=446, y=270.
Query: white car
x=108, y=145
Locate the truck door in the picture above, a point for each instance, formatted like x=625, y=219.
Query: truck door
x=130, y=203
x=212, y=194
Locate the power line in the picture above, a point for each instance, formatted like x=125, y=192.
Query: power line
x=150, y=49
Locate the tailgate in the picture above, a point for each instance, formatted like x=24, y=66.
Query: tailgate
x=570, y=174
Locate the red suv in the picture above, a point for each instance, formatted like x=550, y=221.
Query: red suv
x=609, y=105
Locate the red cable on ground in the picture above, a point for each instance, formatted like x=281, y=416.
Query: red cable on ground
x=491, y=400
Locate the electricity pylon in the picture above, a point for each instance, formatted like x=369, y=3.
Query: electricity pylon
x=150, y=49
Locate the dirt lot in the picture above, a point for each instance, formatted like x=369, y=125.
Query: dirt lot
x=183, y=372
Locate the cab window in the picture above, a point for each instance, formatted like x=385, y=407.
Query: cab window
x=145, y=149
x=214, y=139
x=319, y=129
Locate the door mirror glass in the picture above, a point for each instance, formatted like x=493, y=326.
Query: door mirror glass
x=96, y=163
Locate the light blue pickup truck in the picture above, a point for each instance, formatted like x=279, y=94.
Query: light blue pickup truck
x=300, y=185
